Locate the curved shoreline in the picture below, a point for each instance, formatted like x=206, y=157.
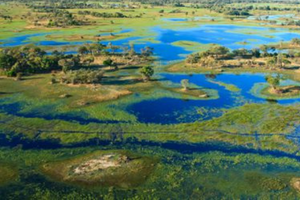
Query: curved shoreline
x=262, y=90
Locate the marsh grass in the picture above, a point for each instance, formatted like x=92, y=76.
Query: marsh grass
x=8, y=173
x=129, y=174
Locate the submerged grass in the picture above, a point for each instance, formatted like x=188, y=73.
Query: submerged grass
x=229, y=87
x=8, y=173
x=190, y=176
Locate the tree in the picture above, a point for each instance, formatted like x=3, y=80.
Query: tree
x=83, y=50
x=193, y=58
x=131, y=51
x=272, y=61
x=96, y=48
x=240, y=52
x=264, y=49
x=66, y=64
x=273, y=81
x=255, y=53
x=218, y=50
x=88, y=60
x=278, y=61
x=147, y=72
x=147, y=51
x=185, y=84
x=19, y=76
x=6, y=61
x=295, y=41
x=112, y=47
x=36, y=51
x=109, y=63
x=48, y=62
x=282, y=60
x=83, y=76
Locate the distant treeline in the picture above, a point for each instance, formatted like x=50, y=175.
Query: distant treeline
x=104, y=14
x=84, y=4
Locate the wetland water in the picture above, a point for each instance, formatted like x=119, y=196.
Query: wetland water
x=164, y=109
x=230, y=36
x=243, y=169
x=171, y=110
x=175, y=110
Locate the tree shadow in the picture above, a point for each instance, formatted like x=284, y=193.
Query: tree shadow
x=159, y=79
x=3, y=93
x=291, y=89
x=130, y=67
x=291, y=68
x=30, y=78
x=118, y=81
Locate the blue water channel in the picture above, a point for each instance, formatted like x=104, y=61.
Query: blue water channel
x=174, y=110
x=226, y=35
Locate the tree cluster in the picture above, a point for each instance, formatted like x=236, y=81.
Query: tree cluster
x=103, y=14
x=83, y=76
x=27, y=60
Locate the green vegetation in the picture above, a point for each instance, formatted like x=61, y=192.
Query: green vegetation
x=185, y=83
x=8, y=173
x=83, y=77
x=72, y=118
x=273, y=81
x=251, y=119
x=220, y=57
x=284, y=92
x=27, y=60
x=191, y=175
x=274, y=89
x=280, y=93
x=147, y=72
x=191, y=46
x=107, y=168
x=229, y=87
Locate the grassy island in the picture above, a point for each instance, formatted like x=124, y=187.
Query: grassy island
x=282, y=92
x=106, y=168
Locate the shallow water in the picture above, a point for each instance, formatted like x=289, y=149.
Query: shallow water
x=172, y=110
x=206, y=17
x=31, y=39
x=230, y=36
x=186, y=170
x=163, y=109
x=271, y=17
x=27, y=39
